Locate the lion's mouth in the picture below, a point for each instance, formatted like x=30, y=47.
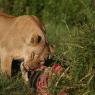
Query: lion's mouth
x=36, y=65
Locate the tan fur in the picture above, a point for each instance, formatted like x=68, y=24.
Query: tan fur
x=22, y=37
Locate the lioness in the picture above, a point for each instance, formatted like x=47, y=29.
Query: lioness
x=22, y=37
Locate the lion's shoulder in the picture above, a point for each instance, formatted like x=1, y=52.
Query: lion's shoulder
x=18, y=30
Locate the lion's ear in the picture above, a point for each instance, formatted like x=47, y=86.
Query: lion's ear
x=35, y=39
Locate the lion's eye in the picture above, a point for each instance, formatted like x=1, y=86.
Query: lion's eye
x=35, y=40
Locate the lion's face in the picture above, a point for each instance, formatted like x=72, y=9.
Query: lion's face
x=37, y=51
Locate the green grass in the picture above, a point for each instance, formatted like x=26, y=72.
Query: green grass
x=75, y=49
x=13, y=86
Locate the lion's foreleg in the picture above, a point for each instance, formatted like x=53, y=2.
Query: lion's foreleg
x=6, y=66
x=24, y=73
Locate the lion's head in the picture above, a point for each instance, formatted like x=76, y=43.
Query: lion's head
x=37, y=50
